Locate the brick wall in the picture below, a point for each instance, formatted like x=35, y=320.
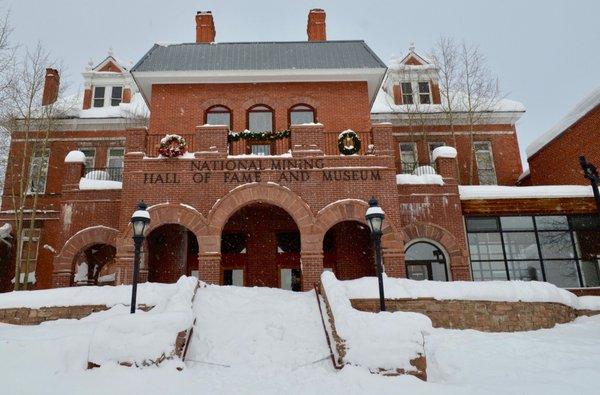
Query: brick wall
x=28, y=316
x=481, y=315
x=558, y=162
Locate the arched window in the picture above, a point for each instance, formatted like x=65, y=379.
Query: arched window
x=425, y=261
x=218, y=115
x=302, y=113
x=260, y=118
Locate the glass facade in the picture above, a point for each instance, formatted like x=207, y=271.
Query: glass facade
x=563, y=250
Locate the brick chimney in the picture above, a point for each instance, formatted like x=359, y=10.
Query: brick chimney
x=205, y=27
x=316, y=25
x=51, y=86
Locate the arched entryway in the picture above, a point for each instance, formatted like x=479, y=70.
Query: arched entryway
x=172, y=251
x=260, y=246
x=348, y=250
x=426, y=261
x=89, y=263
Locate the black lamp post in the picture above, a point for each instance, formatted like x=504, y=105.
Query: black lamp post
x=139, y=221
x=591, y=173
x=374, y=217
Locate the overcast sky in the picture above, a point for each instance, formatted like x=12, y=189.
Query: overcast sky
x=545, y=53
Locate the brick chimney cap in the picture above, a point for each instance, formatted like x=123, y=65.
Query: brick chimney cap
x=317, y=10
x=203, y=12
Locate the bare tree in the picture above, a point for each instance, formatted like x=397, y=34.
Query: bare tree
x=29, y=123
x=7, y=52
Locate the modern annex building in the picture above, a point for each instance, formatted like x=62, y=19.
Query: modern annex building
x=285, y=142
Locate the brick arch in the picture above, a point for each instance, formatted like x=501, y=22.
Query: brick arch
x=246, y=194
x=352, y=210
x=63, y=262
x=423, y=231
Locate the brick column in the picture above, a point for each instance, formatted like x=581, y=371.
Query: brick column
x=312, y=267
x=382, y=138
x=73, y=173
x=61, y=278
x=211, y=140
x=307, y=140
x=209, y=267
x=137, y=140
x=448, y=169
x=393, y=261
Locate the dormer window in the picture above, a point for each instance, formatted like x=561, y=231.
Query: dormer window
x=108, y=94
x=407, y=93
x=424, y=93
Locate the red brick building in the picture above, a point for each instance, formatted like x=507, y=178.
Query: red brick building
x=286, y=143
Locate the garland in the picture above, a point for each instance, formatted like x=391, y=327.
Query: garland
x=348, y=142
x=260, y=136
x=172, y=146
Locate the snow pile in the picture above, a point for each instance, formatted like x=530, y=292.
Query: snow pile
x=87, y=184
x=136, y=108
x=585, y=105
x=423, y=179
x=473, y=192
x=5, y=233
x=589, y=303
x=75, y=157
x=443, y=152
x=497, y=291
x=145, y=337
x=30, y=278
x=150, y=294
x=388, y=340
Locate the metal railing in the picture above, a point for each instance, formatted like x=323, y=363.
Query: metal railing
x=417, y=169
x=105, y=173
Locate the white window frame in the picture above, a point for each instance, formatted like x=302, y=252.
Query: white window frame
x=411, y=94
x=490, y=150
x=45, y=178
x=423, y=94
x=415, y=153
x=107, y=101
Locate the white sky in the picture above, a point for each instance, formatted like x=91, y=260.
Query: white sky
x=546, y=53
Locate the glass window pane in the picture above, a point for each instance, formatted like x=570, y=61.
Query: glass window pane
x=423, y=87
x=561, y=273
x=525, y=270
x=520, y=245
x=585, y=222
x=485, y=246
x=590, y=271
x=556, y=245
x=90, y=158
x=116, y=95
x=260, y=121
x=406, y=88
x=38, y=172
x=553, y=222
x=218, y=118
x=99, y=92
x=300, y=117
x=482, y=224
x=487, y=271
x=261, y=149
x=422, y=251
x=417, y=271
x=516, y=223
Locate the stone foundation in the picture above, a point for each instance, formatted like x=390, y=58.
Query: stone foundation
x=28, y=316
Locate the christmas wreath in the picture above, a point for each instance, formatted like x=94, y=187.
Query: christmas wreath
x=348, y=142
x=260, y=136
x=172, y=146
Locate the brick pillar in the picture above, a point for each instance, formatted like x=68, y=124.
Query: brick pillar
x=447, y=167
x=307, y=140
x=61, y=278
x=73, y=173
x=393, y=261
x=126, y=95
x=87, y=98
x=136, y=140
x=382, y=138
x=211, y=140
x=209, y=268
x=312, y=267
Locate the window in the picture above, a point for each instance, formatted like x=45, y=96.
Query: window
x=408, y=157
x=116, y=96
x=90, y=158
x=99, y=92
x=407, y=93
x=233, y=243
x=485, y=163
x=424, y=93
x=38, y=172
x=260, y=149
x=559, y=249
x=433, y=146
x=302, y=113
x=290, y=279
x=288, y=242
x=114, y=163
x=260, y=119
x=218, y=115
x=233, y=277
x=425, y=261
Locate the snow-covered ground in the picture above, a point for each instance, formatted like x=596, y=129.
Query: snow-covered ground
x=267, y=341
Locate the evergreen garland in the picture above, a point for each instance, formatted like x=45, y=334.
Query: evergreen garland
x=351, y=150
x=172, y=146
x=260, y=136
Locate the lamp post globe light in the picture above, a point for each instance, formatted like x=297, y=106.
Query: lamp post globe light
x=375, y=216
x=591, y=173
x=139, y=222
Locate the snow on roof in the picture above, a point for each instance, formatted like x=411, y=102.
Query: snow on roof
x=71, y=107
x=585, y=105
x=474, y=192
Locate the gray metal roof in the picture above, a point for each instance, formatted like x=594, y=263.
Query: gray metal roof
x=301, y=55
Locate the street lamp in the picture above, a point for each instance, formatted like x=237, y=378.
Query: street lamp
x=591, y=173
x=374, y=217
x=139, y=221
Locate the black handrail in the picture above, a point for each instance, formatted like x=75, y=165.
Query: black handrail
x=105, y=173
